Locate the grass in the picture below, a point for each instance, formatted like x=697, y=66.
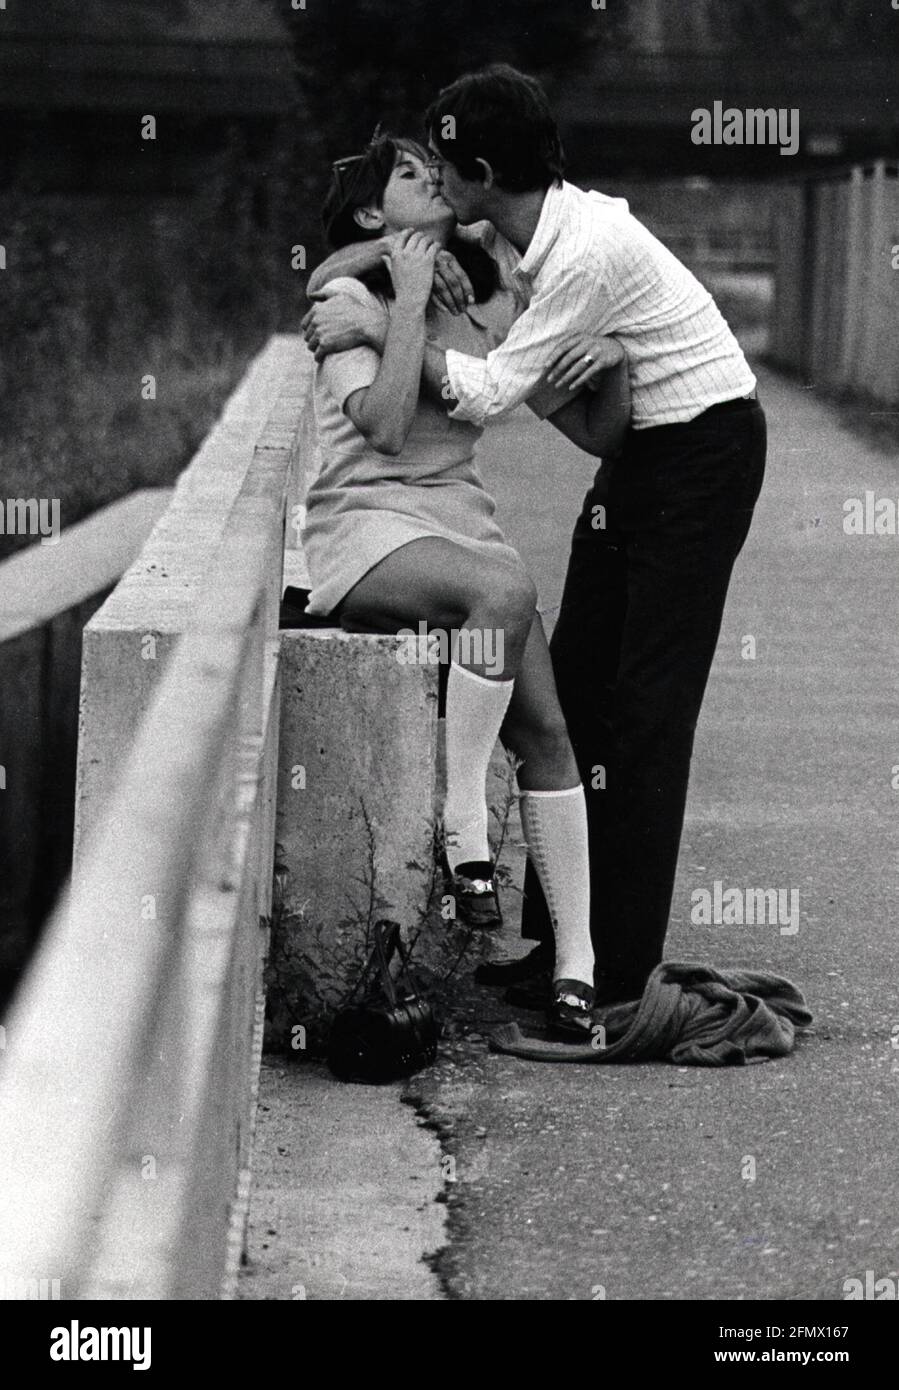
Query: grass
x=100, y=293
x=107, y=441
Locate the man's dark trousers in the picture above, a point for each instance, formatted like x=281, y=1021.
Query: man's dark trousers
x=651, y=560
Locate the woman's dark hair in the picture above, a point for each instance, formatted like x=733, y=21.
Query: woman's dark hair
x=359, y=182
x=502, y=116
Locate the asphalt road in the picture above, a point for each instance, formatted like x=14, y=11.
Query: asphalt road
x=583, y=1182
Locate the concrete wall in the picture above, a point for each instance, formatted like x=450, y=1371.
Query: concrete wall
x=358, y=735
x=128, y=642
x=134, y=1045
x=356, y=794
x=356, y=797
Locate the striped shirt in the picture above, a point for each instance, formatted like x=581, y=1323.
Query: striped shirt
x=593, y=267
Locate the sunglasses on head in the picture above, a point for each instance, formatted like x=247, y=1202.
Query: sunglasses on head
x=340, y=167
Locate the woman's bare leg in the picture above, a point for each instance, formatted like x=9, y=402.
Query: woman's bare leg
x=449, y=587
x=436, y=581
x=486, y=608
x=534, y=728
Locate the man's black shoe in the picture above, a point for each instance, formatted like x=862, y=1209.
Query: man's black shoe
x=534, y=993
x=537, y=962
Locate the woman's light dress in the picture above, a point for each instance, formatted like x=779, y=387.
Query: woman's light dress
x=363, y=505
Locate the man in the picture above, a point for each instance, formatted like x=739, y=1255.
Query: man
x=661, y=527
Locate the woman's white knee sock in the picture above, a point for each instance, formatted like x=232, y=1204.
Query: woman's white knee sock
x=555, y=828
x=475, y=710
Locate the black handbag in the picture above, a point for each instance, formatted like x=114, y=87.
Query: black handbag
x=392, y=1031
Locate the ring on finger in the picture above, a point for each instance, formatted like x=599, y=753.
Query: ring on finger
x=588, y=359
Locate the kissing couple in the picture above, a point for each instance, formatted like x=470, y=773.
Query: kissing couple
x=467, y=277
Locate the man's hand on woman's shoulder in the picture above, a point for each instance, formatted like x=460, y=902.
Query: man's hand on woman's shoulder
x=339, y=321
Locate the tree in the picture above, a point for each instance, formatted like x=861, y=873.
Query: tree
x=364, y=61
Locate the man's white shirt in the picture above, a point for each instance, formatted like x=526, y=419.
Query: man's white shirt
x=592, y=266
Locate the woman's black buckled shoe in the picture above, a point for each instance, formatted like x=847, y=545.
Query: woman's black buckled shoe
x=473, y=886
x=570, y=1014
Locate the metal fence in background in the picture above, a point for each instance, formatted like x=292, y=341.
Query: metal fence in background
x=835, y=318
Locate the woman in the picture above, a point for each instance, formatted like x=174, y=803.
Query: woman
x=399, y=529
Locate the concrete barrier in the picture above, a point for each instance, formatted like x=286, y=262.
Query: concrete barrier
x=128, y=1079
x=127, y=1089
x=354, y=831
x=130, y=640
x=356, y=797
x=356, y=766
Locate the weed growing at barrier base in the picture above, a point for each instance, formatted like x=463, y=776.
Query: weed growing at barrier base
x=314, y=965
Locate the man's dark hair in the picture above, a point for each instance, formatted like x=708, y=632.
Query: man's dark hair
x=502, y=116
